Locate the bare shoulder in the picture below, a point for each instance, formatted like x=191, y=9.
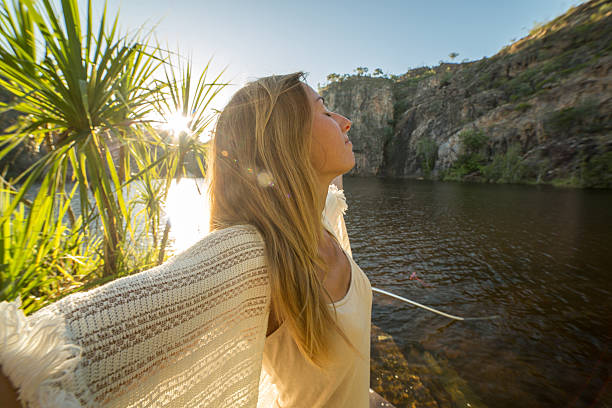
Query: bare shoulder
x=8, y=394
x=273, y=323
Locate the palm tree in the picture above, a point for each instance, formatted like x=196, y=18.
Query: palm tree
x=191, y=106
x=80, y=97
x=87, y=94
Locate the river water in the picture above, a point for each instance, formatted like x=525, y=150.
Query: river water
x=539, y=257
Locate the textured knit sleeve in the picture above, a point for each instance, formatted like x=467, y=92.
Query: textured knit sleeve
x=333, y=215
x=187, y=333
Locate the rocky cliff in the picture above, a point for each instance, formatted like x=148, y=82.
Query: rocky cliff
x=368, y=102
x=540, y=110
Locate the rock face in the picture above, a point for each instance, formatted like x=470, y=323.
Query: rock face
x=540, y=110
x=368, y=103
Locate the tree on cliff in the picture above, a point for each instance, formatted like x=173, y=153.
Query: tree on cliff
x=361, y=71
x=378, y=72
x=333, y=77
x=453, y=55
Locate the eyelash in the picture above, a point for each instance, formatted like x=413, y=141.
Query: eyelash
x=328, y=114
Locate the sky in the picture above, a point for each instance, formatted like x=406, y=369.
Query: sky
x=260, y=38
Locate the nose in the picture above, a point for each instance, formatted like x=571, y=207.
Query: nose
x=347, y=124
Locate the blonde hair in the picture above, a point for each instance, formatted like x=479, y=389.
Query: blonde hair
x=260, y=173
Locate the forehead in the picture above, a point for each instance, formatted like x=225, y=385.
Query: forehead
x=313, y=96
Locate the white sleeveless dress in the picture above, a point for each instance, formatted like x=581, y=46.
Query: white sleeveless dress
x=297, y=383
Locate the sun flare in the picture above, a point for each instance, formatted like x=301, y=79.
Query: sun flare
x=178, y=123
x=189, y=212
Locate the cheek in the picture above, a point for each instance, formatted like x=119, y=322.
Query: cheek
x=318, y=154
x=318, y=150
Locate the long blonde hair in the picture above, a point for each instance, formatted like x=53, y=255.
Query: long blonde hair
x=260, y=173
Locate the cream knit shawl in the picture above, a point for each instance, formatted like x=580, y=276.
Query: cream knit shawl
x=188, y=333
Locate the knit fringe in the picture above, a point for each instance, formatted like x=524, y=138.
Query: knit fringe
x=335, y=203
x=35, y=356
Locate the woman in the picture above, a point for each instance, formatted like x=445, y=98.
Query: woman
x=273, y=284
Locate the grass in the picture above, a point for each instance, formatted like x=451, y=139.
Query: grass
x=570, y=182
x=41, y=257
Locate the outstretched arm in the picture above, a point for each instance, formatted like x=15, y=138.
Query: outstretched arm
x=189, y=328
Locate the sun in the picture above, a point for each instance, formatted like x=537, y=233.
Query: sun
x=178, y=123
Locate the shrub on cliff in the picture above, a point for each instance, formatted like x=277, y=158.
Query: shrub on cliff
x=596, y=172
x=471, y=159
x=505, y=167
x=473, y=140
x=566, y=121
x=427, y=152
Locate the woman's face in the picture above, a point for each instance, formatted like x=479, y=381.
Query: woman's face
x=331, y=153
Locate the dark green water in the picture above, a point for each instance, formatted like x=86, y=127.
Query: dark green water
x=539, y=257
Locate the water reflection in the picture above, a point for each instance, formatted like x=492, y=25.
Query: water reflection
x=539, y=257
x=187, y=208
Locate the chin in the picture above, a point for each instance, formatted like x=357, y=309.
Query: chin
x=349, y=169
x=352, y=164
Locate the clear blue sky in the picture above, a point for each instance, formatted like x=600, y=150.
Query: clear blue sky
x=258, y=38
